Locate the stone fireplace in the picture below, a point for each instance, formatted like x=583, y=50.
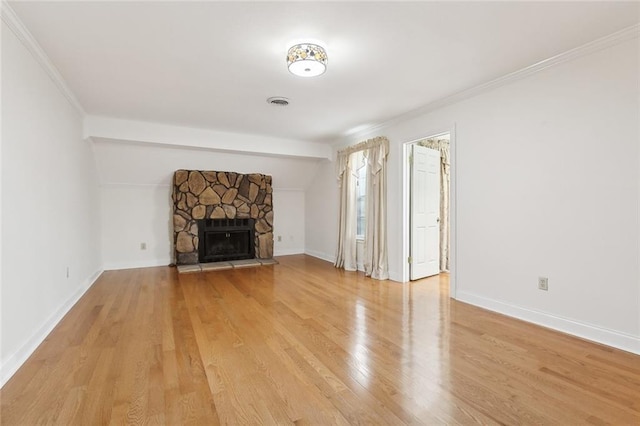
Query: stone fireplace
x=220, y=199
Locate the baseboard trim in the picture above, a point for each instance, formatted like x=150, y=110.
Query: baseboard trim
x=115, y=266
x=288, y=252
x=616, y=339
x=19, y=357
x=133, y=185
x=320, y=255
x=395, y=276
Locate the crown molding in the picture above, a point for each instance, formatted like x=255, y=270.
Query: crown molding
x=577, y=52
x=14, y=23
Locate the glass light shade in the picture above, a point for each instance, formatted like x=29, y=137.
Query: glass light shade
x=307, y=60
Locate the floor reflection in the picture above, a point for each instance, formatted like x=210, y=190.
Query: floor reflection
x=359, y=352
x=425, y=339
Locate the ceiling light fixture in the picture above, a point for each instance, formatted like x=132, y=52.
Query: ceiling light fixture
x=307, y=60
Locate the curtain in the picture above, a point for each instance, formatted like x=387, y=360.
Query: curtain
x=375, y=257
x=346, y=255
x=375, y=237
x=442, y=145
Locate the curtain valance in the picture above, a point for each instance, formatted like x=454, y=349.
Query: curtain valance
x=343, y=154
x=441, y=145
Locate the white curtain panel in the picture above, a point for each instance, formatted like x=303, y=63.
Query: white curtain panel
x=346, y=253
x=376, y=263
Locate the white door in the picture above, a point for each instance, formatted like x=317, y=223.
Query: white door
x=425, y=212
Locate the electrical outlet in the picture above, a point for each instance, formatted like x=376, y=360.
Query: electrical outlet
x=543, y=283
x=279, y=238
x=143, y=246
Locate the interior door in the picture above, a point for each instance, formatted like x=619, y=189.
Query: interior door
x=425, y=212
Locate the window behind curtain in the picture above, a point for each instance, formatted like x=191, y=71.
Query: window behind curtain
x=361, y=185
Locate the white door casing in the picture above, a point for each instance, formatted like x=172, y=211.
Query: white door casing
x=425, y=211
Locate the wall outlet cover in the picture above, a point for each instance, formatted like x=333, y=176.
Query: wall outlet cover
x=543, y=283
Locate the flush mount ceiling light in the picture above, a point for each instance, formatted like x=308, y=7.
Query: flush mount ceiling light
x=307, y=60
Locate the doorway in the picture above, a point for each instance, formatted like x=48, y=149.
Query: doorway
x=425, y=183
x=429, y=214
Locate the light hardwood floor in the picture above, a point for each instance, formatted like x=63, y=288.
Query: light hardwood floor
x=301, y=342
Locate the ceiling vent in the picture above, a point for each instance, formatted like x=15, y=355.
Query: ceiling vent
x=278, y=100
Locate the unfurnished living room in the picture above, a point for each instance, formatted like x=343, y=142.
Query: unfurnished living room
x=271, y=213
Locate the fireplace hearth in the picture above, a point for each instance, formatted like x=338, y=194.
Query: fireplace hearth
x=225, y=239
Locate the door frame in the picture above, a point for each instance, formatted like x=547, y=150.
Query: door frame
x=453, y=216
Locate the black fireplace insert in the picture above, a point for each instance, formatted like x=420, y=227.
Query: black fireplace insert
x=225, y=239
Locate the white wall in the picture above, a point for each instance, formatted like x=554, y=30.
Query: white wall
x=107, y=128
x=148, y=164
x=321, y=213
x=50, y=205
x=547, y=176
x=136, y=204
x=135, y=214
x=132, y=215
x=288, y=221
x=2, y=372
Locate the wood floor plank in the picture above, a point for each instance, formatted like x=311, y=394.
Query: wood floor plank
x=301, y=343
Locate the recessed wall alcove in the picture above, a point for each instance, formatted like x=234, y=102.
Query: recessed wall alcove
x=199, y=195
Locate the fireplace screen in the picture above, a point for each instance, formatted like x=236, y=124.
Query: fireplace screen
x=225, y=239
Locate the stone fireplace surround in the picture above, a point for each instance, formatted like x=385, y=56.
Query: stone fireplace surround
x=201, y=194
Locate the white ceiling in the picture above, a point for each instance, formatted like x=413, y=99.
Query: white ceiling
x=213, y=64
